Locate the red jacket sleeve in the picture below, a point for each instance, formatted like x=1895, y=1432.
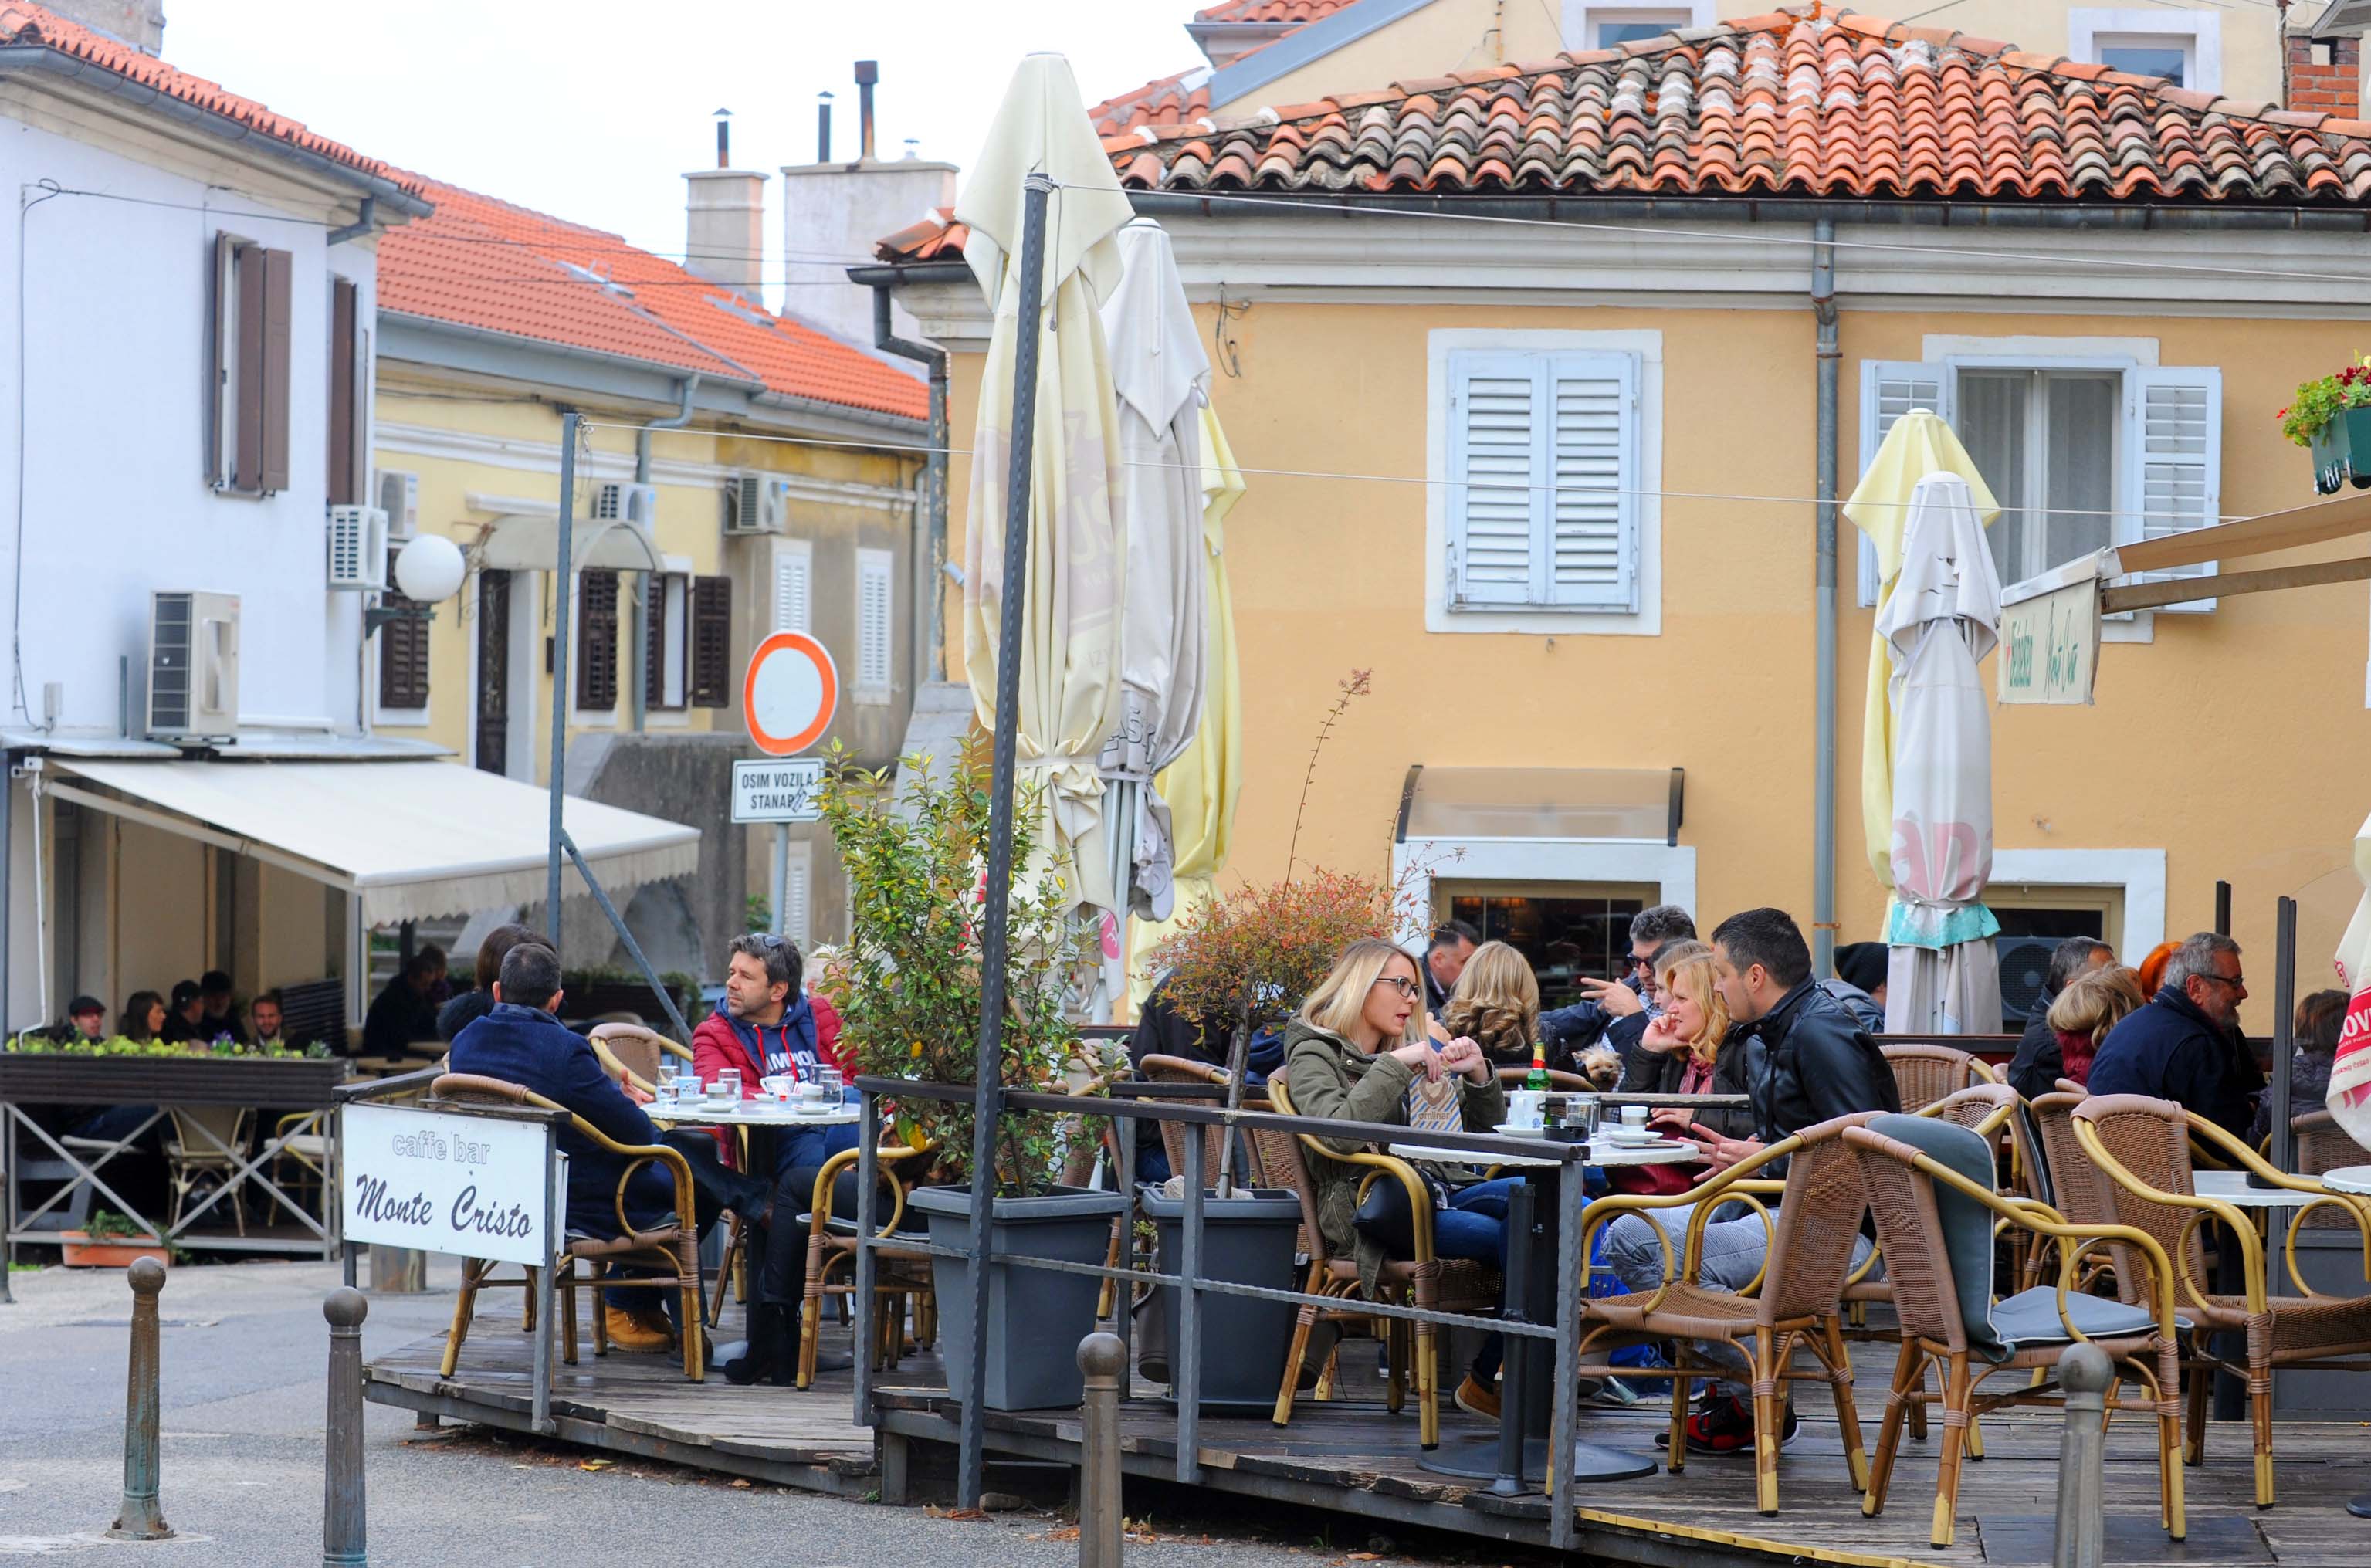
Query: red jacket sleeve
x=826, y=1018
x=715, y=1047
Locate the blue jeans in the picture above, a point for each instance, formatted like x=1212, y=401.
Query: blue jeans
x=1473, y=1226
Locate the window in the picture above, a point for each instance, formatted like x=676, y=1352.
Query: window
x=348, y=397
x=1543, y=455
x=1588, y=25
x=596, y=641
x=793, y=566
x=2144, y=56
x=667, y=641
x=402, y=653
x=1613, y=34
x=2183, y=43
x=1568, y=931
x=876, y=623
x=247, y=362
x=2081, y=454
x=710, y=648
x=2034, y=918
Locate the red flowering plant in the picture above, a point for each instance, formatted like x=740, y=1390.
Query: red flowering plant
x=2324, y=398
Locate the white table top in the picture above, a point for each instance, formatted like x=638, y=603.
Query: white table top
x=2231, y=1187
x=2348, y=1178
x=753, y=1114
x=1599, y=1153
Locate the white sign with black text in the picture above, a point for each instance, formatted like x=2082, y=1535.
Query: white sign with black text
x=469, y=1185
x=771, y=790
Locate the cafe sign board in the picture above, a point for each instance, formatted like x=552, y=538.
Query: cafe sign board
x=475, y=1186
x=2049, y=644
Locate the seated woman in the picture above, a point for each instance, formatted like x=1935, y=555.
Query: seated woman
x=2318, y=1020
x=1351, y=1054
x=1496, y=1005
x=1684, y=1050
x=2093, y=1003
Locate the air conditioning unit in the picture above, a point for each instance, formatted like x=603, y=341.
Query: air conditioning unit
x=192, y=665
x=399, y=497
x=617, y=502
x=756, y=504
x=2024, y=973
x=357, y=549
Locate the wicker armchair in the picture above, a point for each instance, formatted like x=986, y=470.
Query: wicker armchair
x=1925, y=1074
x=2143, y=1146
x=632, y=1051
x=2322, y=1145
x=1560, y=1081
x=203, y=1158
x=903, y=1273
x=1157, y=1068
x=672, y=1250
x=1434, y=1283
x=2038, y=1325
x=1796, y=1305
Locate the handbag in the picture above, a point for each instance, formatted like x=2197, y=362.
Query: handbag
x=1384, y=1218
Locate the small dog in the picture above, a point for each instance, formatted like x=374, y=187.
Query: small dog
x=1601, y=1065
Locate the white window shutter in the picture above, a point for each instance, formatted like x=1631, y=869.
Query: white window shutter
x=1592, y=452
x=1494, y=468
x=874, y=619
x=791, y=570
x=1888, y=389
x=2173, y=463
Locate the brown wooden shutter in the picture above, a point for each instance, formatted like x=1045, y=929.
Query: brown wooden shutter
x=402, y=652
x=596, y=640
x=345, y=396
x=710, y=684
x=655, y=631
x=246, y=417
x=279, y=277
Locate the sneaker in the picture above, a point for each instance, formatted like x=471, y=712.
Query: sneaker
x=1723, y=1425
x=1617, y=1392
x=637, y=1329
x=1477, y=1398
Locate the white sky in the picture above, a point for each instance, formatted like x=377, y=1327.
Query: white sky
x=592, y=110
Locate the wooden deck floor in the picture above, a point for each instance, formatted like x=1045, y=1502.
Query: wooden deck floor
x=1357, y=1458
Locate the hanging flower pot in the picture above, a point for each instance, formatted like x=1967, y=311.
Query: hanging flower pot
x=2331, y=417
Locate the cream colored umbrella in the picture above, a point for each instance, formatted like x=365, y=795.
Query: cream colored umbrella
x=1070, y=685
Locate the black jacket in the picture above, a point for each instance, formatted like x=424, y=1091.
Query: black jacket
x=1808, y=1061
x=527, y=1046
x=1570, y=1031
x=1660, y=1072
x=2038, y=1065
x=2170, y=1050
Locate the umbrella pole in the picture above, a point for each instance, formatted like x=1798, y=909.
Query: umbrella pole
x=987, y=1090
x=560, y=585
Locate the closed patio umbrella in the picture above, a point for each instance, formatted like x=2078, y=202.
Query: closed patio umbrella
x=1944, y=616
x=1069, y=640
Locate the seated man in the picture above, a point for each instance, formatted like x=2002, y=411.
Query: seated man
x=1570, y=1032
x=520, y=1040
x=1808, y=1061
x=402, y=1016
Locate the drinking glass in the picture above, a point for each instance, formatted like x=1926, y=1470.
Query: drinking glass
x=834, y=1089
x=729, y=1080
x=1582, y=1111
x=665, y=1087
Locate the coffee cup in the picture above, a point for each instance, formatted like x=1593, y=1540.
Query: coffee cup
x=1634, y=1116
x=777, y=1088
x=1525, y=1108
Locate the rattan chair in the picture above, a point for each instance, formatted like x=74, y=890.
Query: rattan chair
x=635, y=1049
x=1902, y=1185
x=203, y=1156
x=1925, y=1074
x=673, y=1250
x=2079, y=1191
x=1428, y=1281
x=1559, y=1080
x=1797, y=1304
x=1157, y=1068
x=2143, y=1146
x=903, y=1273
x=2322, y=1145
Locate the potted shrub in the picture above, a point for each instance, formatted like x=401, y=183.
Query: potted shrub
x=2331, y=416
x=110, y=1241
x=908, y=986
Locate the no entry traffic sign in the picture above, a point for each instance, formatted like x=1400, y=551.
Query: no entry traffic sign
x=790, y=693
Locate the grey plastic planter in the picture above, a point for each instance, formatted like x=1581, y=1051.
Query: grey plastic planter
x=1246, y=1239
x=1035, y=1317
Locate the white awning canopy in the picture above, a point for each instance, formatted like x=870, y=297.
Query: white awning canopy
x=415, y=840
x=530, y=542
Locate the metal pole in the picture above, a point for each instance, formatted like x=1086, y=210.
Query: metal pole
x=563, y=576
x=344, y=1525
x=1516, y=1356
x=1100, y=1356
x=141, y=1520
x=780, y=908
x=1188, y=1370
x=2222, y=908
x=633, y=948
x=1823, y=747
x=2284, y=1035
x=1564, y=1421
x=2084, y=1372
x=868, y=1263
x=545, y=1283
x=985, y=1091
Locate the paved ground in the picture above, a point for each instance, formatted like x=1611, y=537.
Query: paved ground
x=244, y=1352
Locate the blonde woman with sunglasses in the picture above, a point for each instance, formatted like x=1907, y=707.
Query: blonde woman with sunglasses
x=1351, y=1054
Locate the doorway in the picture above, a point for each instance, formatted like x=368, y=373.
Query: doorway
x=494, y=711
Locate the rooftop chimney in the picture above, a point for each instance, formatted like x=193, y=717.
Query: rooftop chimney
x=823, y=128
x=834, y=211
x=867, y=73
x=724, y=222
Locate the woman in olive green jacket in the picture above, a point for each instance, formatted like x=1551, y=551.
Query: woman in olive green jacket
x=1351, y=1054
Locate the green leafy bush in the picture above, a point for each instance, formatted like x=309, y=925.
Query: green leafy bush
x=33, y=1044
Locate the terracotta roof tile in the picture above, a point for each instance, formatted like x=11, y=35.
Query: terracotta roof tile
x=27, y=26
x=485, y=263
x=1300, y=11
x=1180, y=98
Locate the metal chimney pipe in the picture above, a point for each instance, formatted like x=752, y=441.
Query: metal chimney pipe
x=725, y=138
x=867, y=73
x=823, y=128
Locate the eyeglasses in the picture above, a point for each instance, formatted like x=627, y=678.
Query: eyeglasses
x=2238, y=982
x=1404, y=985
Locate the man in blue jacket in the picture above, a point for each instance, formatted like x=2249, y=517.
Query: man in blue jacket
x=2185, y=1045
x=522, y=1041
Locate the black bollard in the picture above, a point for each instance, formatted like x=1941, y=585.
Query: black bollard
x=1100, y=1522
x=344, y=1531
x=2084, y=1372
x=140, y=1518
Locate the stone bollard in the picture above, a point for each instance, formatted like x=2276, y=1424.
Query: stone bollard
x=2085, y=1373
x=344, y=1531
x=1100, y=1521
x=140, y=1518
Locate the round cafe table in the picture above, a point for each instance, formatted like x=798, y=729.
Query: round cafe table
x=750, y=1113
x=1530, y=1375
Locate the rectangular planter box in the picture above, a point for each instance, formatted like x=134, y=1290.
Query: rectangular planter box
x=1035, y=1317
x=1246, y=1239
x=82, y=1253
x=2341, y=452
x=288, y=1083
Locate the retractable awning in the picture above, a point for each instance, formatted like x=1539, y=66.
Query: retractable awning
x=413, y=840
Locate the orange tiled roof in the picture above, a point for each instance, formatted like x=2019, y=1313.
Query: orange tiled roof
x=1781, y=104
x=27, y=26
x=936, y=236
x=1181, y=98
x=484, y=263
x=1271, y=11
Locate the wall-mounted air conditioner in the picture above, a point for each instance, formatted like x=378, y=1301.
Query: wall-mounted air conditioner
x=192, y=665
x=756, y=504
x=357, y=549
x=614, y=501
x=399, y=497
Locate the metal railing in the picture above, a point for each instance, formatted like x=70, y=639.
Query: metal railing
x=1124, y=1113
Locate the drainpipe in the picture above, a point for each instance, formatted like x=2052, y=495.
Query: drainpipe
x=636, y=675
x=1823, y=808
x=933, y=555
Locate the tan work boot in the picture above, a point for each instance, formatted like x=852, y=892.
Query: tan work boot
x=637, y=1329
